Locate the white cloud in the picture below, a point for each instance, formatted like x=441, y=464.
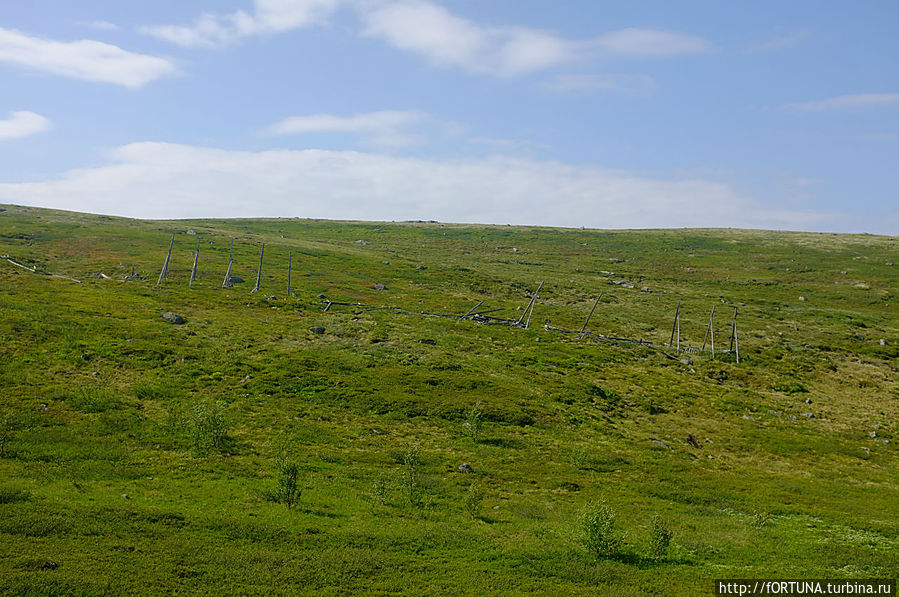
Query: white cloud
x=160, y=180
x=87, y=60
x=782, y=42
x=101, y=25
x=844, y=102
x=627, y=84
x=385, y=128
x=269, y=16
x=23, y=124
x=430, y=30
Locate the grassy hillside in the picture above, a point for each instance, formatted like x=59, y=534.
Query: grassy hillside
x=139, y=456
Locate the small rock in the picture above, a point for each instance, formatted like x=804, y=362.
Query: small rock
x=317, y=329
x=660, y=444
x=883, y=441
x=363, y=243
x=808, y=400
x=428, y=341
x=420, y=267
x=95, y=373
x=85, y=356
x=321, y=296
x=380, y=287
x=645, y=289
x=192, y=232
x=807, y=415
x=465, y=468
x=792, y=417
x=386, y=262
x=803, y=299
x=125, y=496
x=748, y=418
x=494, y=507
x=191, y=333
x=173, y=318
x=872, y=434
x=883, y=342
x=235, y=280
x=686, y=361
x=514, y=249
x=692, y=441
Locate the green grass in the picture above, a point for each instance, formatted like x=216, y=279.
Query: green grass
x=140, y=457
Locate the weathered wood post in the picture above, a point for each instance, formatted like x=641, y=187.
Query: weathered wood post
x=165, y=266
x=533, y=302
x=289, y=263
x=227, y=281
x=584, y=327
x=676, y=328
x=734, y=341
x=193, y=271
x=710, y=331
x=259, y=271
x=470, y=311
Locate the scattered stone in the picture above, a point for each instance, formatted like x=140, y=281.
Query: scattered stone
x=380, y=287
x=808, y=400
x=386, y=262
x=85, y=356
x=192, y=232
x=321, y=296
x=96, y=373
x=748, y=418
x=686, y=361
x=235, y=280
x=692, y=441
x=191, y=333
x=420, y=267
x=465, y=468
x=883, y=342
x=173, y=318
x=645, y=289
x=660, y=444
x=872, y=434
x=317, y=329
x=807, y=415
x=774, y=412
x=514, y=249
x=125, y=496
x=883, y=441
x=363, y=243
x=792, y=417
x=428, y=341
x=803, y=299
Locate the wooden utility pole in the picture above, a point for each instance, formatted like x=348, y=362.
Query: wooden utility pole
x=470, y=311
x=584, y=327
x=289, y=263
x=527, y=324
x=734, y=341
x=193, y=271
x=676, y=328
x=259, y=271
x=710, y=331
x=227, y=281
x=165, y=266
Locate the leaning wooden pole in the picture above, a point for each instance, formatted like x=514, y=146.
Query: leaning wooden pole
x=259, y=271
x=227, y=281
x=675, y=329
x=584, y=327
x=527, y=309
x=289, y=264
x=710, y=332
x=533, y=302
x=193, y=271
x=734, y=341
x=470, y=311
x=165, y=266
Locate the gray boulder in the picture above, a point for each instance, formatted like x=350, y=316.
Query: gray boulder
x=173, y=318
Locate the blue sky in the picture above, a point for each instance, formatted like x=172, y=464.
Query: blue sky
x=763, y=114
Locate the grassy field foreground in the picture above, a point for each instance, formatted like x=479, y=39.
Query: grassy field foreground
x=138, y=456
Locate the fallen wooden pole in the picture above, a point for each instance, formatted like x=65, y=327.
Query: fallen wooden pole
x=165, y=266
x=529, y=309
x=584, y=327
x=35, y=271
x=470, y=311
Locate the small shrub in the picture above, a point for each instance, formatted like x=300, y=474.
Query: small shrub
x=208, y=426
x=474, y=420
x=288, y=491
x=598, y=534
x=473, y=499
x=412, y=461
x=659, y=538
x=382, y=488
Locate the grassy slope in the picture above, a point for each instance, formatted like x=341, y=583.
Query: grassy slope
x=96, y=392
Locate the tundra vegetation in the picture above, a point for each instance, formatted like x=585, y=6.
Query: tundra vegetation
x=143, y=456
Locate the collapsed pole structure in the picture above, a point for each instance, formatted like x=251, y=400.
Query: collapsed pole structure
x=165, y=266
x=259, y=271
x=710, y=332
x=676, y=328
x=529, y=309
x=734, y=341
x=227, y=281
x=193, y=271
x=584, y=327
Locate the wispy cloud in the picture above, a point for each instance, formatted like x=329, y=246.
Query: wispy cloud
x=100, y=25
x=430, y=30
x=782, y=42
x=212, y=30
x=386, y=128
x=23, y=124
x=87, y=60
x=627, y=84
x=847, y=102
x=160, y=180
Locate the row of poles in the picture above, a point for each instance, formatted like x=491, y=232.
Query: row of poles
x=163, y=275
x=709, y=333
x=523, y=321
